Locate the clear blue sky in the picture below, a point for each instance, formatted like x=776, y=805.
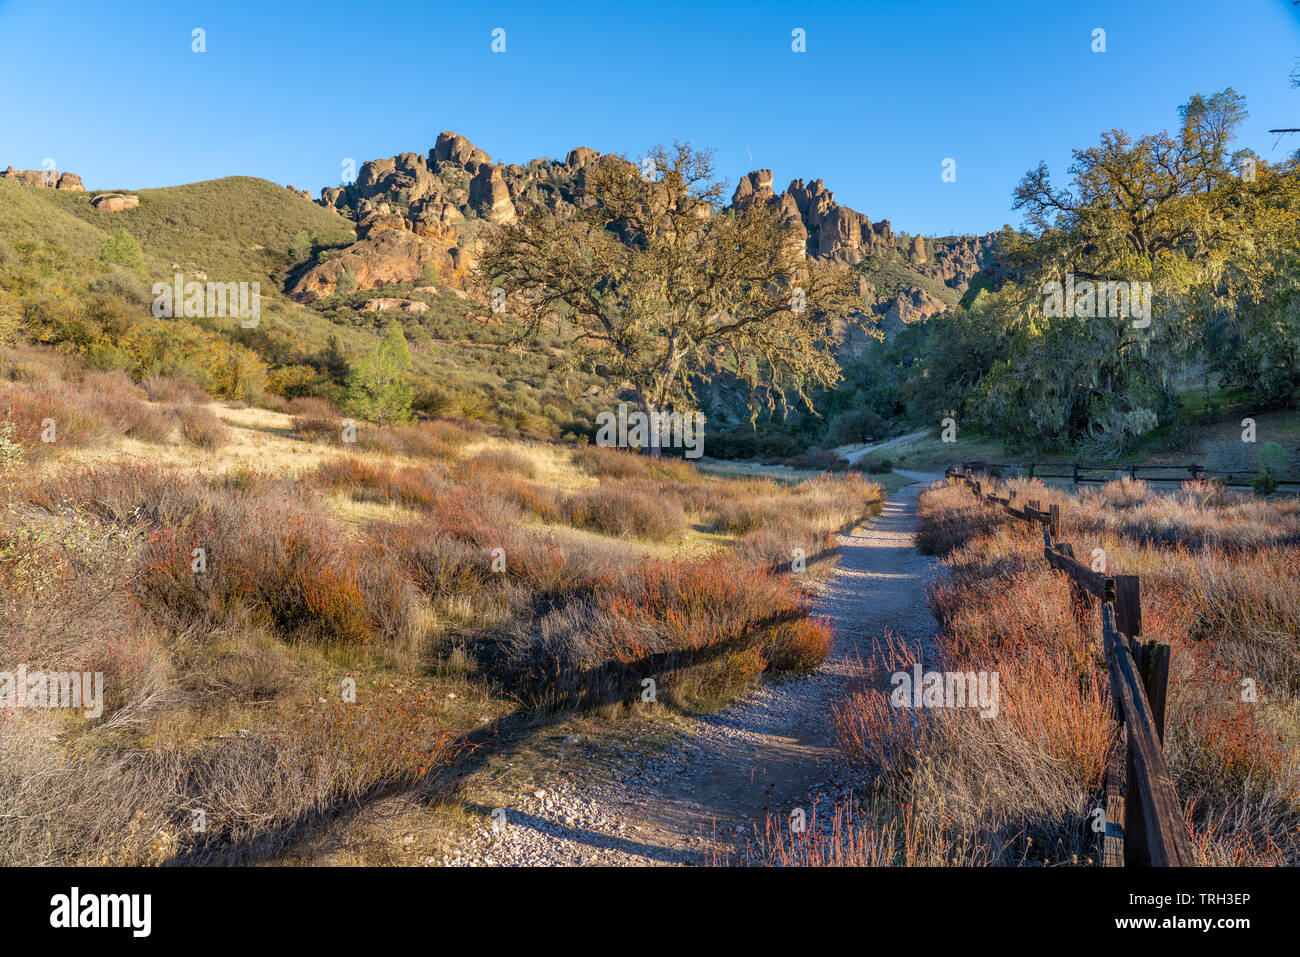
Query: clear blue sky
x=885, y=92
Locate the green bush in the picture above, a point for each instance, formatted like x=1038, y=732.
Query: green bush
x=121, y=249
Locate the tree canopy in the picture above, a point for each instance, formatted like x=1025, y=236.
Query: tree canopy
x=664, y=285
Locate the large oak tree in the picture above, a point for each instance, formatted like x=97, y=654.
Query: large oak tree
x=664, y=285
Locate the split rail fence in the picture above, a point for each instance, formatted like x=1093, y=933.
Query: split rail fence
x=1144, y=821
x=1080, y=473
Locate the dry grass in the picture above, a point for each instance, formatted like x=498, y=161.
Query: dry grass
x=1219, y=579
x=432, y=557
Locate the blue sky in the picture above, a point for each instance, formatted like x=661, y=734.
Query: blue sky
x=885, y=92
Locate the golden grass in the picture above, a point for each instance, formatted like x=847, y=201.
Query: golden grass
x=209, y=673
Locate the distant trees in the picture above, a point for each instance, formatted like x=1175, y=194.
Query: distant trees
x=378, y=389
x=663, y=286
x=1215, y=232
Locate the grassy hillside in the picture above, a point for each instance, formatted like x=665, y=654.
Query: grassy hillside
x=240, y=229
x=47, y=234
x=236, y=228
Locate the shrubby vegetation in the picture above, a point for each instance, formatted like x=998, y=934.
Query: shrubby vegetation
x=943, y=787
x=374, y=556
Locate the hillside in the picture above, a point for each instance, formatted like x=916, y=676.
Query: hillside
x=405, y=235
x=237, y=227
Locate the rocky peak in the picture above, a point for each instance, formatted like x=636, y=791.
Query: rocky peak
x=430, y=197
x=753, y=187
x=456, y=149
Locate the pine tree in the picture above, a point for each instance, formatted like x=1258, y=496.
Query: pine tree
x=377, y=388
x=122, y=250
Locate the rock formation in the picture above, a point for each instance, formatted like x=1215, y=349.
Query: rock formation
x=435, y=201
x=114, y=202
x=395, y=305
x=44, y=179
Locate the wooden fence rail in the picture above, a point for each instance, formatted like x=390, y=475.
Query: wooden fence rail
x=1144, y=821
x=1080, y=473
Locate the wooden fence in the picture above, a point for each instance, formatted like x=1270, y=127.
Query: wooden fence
x=1144, y=821
x=1080, y=473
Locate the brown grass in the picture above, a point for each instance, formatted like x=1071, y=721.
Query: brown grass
x=1217, y=584
x=219, y=593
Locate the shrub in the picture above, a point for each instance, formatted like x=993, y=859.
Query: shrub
x=200, y=426
x=269, y=553
x=121, y=249
x=164, y=388
x=608, y=462
x=315, y=419
x=625, y=508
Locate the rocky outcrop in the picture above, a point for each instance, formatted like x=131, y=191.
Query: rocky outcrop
x=383, y=256
x=753, y=187
x=44, y=179
x=300, y=192
x=954, y=260
x=489, y=197
x=457, y=150
x=436, y=200
x=395, y=305
x=114, y=202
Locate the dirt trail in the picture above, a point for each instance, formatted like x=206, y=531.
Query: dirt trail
x=708, y=795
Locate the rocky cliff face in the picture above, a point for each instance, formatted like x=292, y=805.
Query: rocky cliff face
x=954, y=260
x=828, y=230
x=439, y=198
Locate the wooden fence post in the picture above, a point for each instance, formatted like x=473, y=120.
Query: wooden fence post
x=1136, y=851
x=1078, y=594
x=1076, y=473
x=1112, y=840
x=1128, y=605
x=1054, y=521
x=1155, y=680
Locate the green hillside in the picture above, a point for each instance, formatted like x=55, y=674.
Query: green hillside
x=891, y=277
x=54, y=288
x=236, y=227
x=35, y=229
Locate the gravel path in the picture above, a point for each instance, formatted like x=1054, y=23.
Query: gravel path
x=707, y=797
